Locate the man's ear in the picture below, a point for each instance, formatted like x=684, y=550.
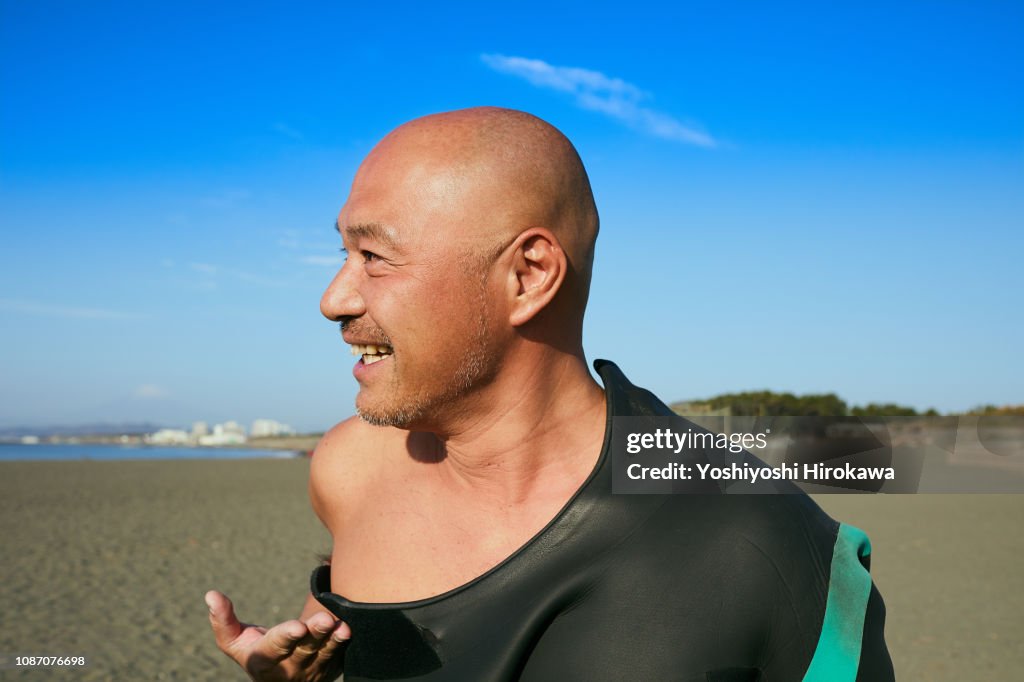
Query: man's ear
x=539, y=268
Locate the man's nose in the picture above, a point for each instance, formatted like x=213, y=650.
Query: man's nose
x=342, y=297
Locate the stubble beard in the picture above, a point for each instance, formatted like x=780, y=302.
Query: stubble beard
x=477, y=366
x=428, y=406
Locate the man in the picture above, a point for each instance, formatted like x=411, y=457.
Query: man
x=475, y=534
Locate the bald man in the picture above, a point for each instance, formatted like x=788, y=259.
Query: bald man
x=475, y=534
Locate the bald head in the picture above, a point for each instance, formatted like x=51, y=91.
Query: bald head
x=471, y=240
x=499, y=172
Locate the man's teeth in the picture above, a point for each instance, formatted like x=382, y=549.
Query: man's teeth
x=371, y=352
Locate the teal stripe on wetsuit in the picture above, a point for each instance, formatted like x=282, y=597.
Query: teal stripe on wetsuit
x=837, y=656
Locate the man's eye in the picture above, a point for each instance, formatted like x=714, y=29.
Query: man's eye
x=369, y=256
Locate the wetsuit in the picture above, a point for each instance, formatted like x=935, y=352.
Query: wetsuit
x=716, y=588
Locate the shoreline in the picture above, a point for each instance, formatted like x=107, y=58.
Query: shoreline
x=304, y=443
x=91, y=452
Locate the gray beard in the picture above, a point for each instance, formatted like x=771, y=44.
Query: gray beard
x=477, y=367
x=473, y=371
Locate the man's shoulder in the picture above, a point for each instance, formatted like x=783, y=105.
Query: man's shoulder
x=778, y=525
x=763, y=536
x=347, y=462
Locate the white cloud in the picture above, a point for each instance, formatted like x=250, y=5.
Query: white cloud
x=334, y=261
x=65, y=312
x=259, y=279
x=226, y=199
x=595, y=91
x=204, y=268
x=150, y=391
x=211, y=276
x=288, y=131
x=295, y=244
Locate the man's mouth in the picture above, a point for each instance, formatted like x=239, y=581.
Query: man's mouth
x=371, y=352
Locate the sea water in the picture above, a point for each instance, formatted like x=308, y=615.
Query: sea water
x=12, y=452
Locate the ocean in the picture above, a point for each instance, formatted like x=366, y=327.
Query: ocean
x=16, y=452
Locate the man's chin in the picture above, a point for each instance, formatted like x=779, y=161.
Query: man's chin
x=376, y=419
x=386, y=415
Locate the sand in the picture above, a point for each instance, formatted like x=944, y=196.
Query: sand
x=110, y=560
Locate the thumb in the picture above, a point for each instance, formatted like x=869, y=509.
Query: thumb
x=226, y=627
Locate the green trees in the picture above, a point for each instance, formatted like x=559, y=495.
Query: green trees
x=884, y=410
x=998, y=411
x=772, y=404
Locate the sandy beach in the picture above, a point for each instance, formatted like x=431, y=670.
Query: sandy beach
x=110, y=560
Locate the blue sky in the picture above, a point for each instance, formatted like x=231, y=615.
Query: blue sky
x=792, y=197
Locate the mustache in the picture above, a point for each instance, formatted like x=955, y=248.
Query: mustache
x=366, y=334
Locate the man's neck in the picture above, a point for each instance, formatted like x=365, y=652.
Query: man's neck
x=541, y=433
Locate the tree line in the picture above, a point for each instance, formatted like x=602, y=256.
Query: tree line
x=772, y=404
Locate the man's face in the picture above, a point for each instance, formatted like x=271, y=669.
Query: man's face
x=414, y=284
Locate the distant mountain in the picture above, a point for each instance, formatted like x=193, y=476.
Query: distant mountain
x=95, y=429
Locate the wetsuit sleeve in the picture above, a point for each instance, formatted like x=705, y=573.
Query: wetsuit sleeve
x=851, y=645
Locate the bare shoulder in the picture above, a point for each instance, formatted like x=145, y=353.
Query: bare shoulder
x=346, y=465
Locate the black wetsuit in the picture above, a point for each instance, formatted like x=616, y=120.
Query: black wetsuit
x=716, y=588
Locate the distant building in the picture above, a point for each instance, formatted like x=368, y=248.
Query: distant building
x=199, y=429
x=30, y=440
x=228, y=433
x=168, y=437
x=268, y=427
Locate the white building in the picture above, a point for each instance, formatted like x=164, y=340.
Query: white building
x=228, y=433
x=269, y=427
x=199, y=429
x=168, y=437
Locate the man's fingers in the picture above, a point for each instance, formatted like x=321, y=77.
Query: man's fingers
x=226, y=627
x=281, y=640
x=319, y=626
x=343, y=632
x=338, y=637
x=313, y=642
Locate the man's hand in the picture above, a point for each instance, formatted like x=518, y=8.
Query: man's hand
x=293, y=650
